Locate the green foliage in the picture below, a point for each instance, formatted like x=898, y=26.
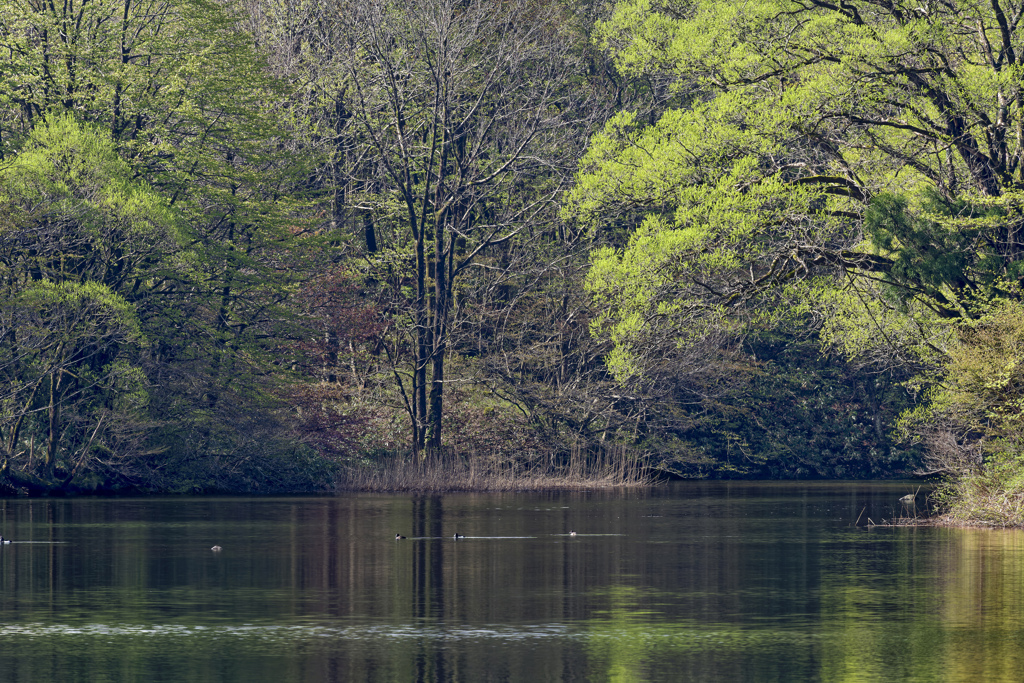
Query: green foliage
x=941, y=249
x=973, y=416
x=69, y=190
x=106, y=309
x=788, y=160
x=151, y=214
x=81, y=232
x=983, y=384
x=163, y=197
x=920, y=249
x=853, y=161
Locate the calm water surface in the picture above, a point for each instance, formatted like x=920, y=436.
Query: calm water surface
x=695, y=581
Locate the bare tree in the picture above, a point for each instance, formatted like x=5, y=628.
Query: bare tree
x=459, y=104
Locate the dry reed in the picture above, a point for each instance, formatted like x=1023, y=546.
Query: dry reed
x=605, y=467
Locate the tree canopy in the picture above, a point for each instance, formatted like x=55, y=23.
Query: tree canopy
x=246, y=245
x=147, y=237
x=875, y=143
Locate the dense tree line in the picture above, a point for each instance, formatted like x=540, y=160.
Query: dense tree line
x=246, y=245
x=855, y=162
x=148, y=244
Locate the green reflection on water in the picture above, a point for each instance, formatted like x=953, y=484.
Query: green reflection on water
x=633, y=644
x=710, y=583
x=926, y=605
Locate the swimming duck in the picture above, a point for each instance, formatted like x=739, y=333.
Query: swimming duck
x=216, y=548
x=399, y=537
x=458, y=535
x=572, y=533
x=4, y=540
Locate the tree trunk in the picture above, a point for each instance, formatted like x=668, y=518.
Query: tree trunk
x=419, y=383
x=53, y=423
x=440, y=324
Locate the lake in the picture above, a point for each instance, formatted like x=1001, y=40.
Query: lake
x=703, y=581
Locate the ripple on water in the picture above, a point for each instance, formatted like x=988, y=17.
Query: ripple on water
x=678, y=635
x=284, y=633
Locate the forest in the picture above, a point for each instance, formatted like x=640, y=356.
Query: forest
x=277, y=246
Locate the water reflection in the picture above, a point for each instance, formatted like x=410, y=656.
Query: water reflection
x=707, y=581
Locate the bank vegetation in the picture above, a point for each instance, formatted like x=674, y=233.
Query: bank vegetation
x=437, y=244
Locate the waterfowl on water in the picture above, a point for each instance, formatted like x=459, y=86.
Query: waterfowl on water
x=911, y=498
x=572, y=533
x=458, y=535
x=399, y=537
x=216, y=548
x=4, y=540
